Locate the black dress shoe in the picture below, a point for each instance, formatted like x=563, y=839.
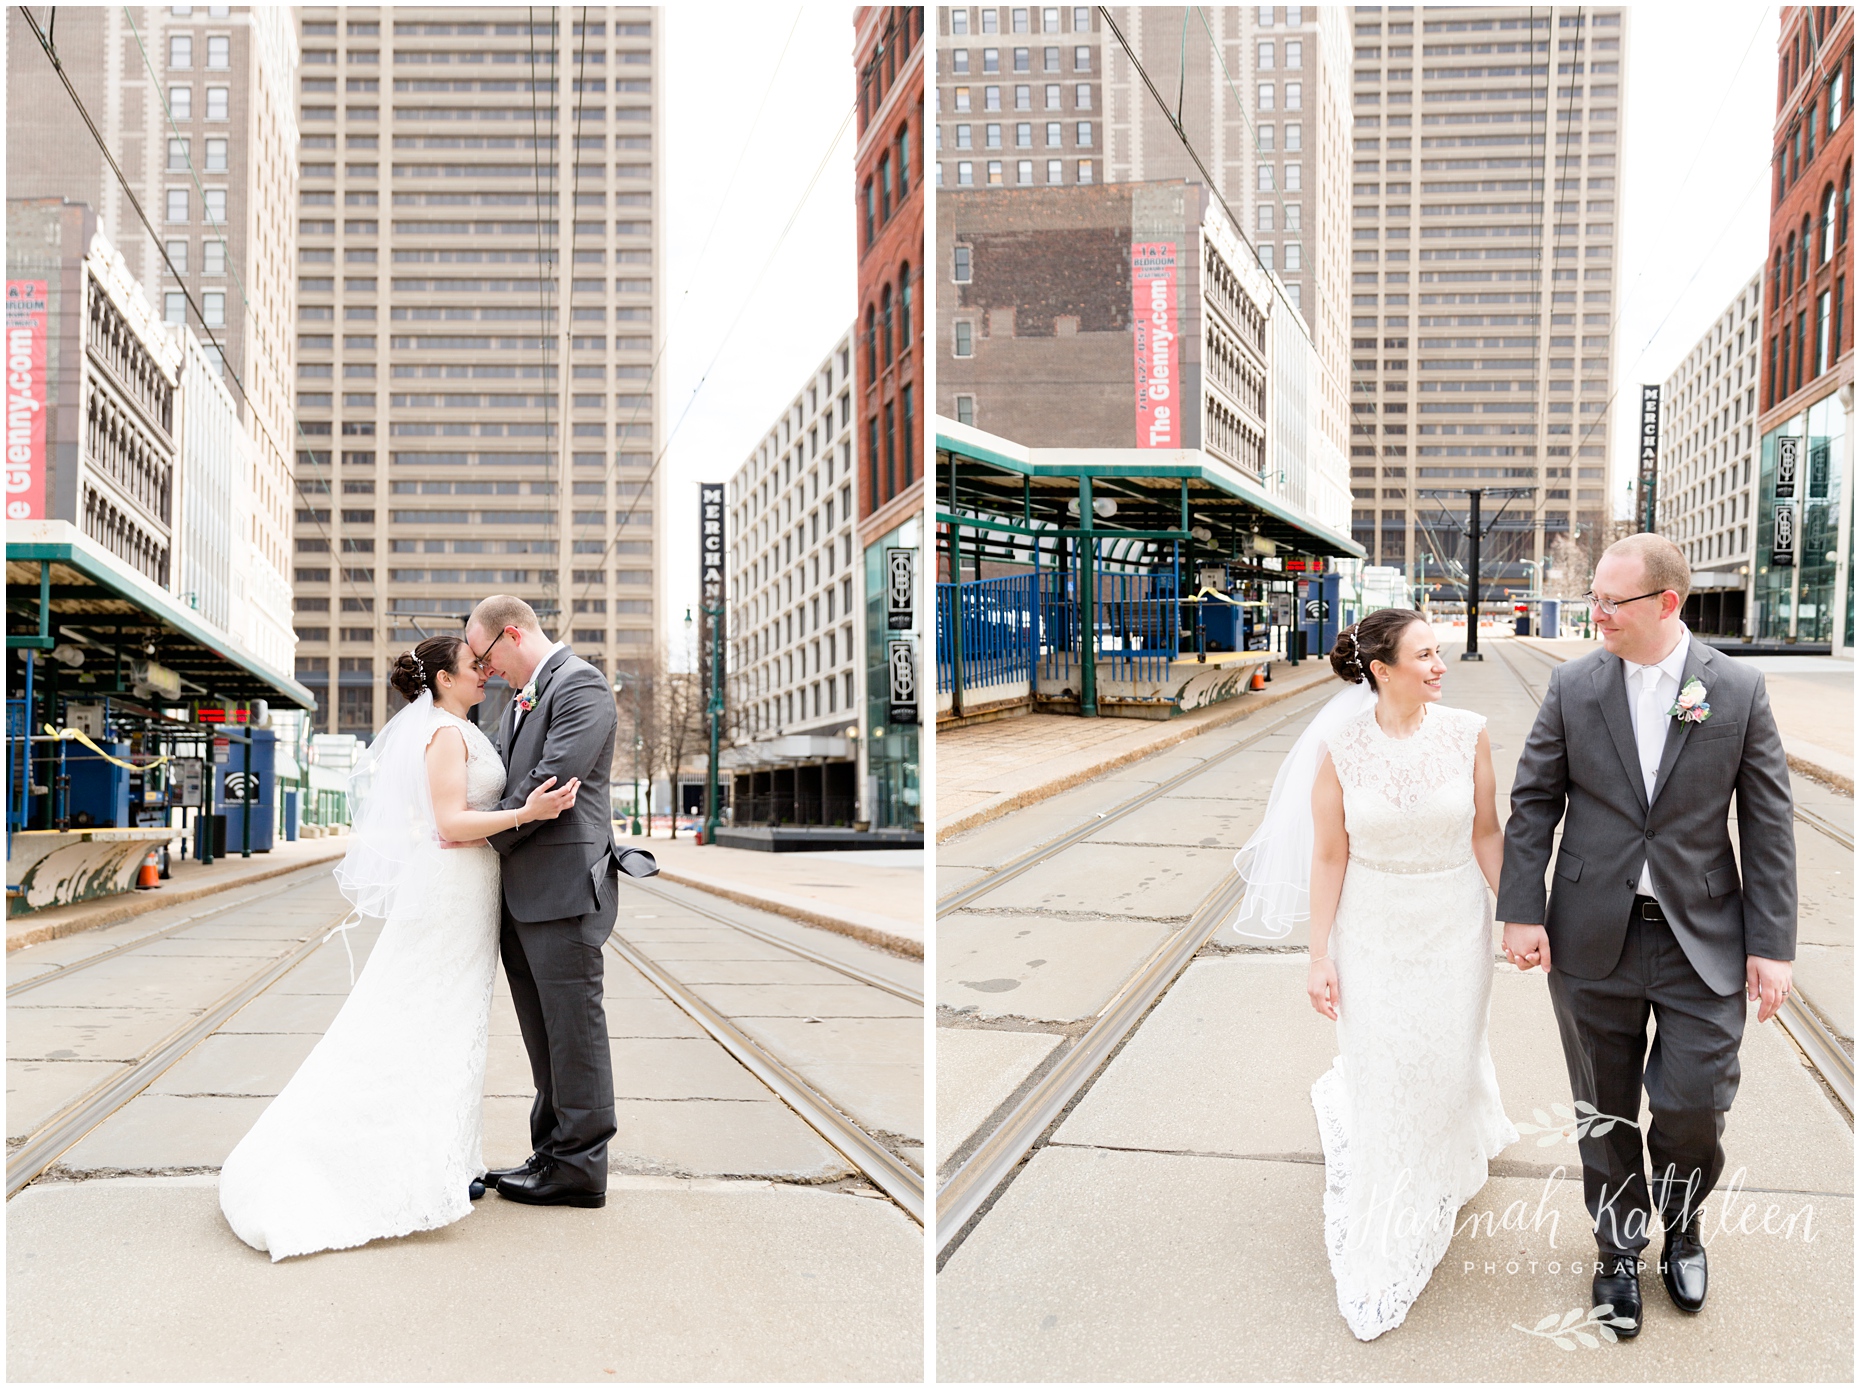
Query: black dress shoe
x=1618, y=1286
x=476, y=1189
x=1682, y=1268
x=522, y=1169
x=544, y=1187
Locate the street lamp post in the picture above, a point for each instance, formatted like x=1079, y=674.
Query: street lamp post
x=713, y=811
x=639, y=743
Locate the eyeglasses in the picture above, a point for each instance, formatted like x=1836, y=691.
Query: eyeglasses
x=1607, y=607
x=479, y=662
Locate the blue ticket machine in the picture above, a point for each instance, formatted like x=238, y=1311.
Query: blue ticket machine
x=232, y=789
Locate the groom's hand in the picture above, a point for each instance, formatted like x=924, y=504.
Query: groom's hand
x=1767, y=983
x=1527, y=946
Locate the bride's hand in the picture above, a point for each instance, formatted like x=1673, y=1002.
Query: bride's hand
x=544, y=804
x=1321, y=988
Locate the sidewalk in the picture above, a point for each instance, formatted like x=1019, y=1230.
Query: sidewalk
x=1812, y=698
x=188, y=880
x=986, y=770
x=873, y=895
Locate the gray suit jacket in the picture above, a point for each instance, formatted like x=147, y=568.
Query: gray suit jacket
x=562, y=867
x=1581, y=766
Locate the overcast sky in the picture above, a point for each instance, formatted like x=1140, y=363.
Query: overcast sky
x=1701, y=84
x=720, y=59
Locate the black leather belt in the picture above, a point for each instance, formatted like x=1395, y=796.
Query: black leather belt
x=1648, y=909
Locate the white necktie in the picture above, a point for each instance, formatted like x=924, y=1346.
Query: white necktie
x=1650, y=732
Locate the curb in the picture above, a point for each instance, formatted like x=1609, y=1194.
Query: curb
x=139, y=904
x=871, y=935
x=1244, y=707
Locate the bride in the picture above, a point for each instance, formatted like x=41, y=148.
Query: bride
x=380, y=1131
x=1391, y=862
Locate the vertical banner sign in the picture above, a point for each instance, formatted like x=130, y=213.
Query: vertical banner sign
x=1649, y=453
x=25, y=399
x=1788, y=465
x=1788, y=473
x=903, y=669
x=710, y=570
x=1153, y=304
x=900, y=589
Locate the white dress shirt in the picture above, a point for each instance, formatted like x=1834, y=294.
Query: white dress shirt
x=1651, y=691
x=516, y=720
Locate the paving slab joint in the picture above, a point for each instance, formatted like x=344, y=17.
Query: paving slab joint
x=870, y=935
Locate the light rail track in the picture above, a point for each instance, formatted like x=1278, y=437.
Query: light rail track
x=968, y=1189
x=1012, y=869
x=1817, y=1042
x=65, y=971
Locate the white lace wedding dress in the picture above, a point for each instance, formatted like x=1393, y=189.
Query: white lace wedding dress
x=380, y=1132
x=1410, y=1112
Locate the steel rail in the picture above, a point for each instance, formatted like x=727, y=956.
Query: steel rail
x=1797, y=1017
x=67, y=1127
x=882, y=1167
x=973, y=1183
x=876, y=981
x=1007, y=872
x=65, y=971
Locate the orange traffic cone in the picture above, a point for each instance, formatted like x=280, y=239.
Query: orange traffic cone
x=148, y=875
x=1258, y=682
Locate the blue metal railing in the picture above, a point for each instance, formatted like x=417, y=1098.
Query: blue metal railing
x=1138, y=625
x=998, y=632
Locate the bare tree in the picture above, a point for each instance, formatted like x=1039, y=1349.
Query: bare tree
x=637, y=702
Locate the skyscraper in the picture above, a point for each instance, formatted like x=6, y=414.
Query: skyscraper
x=1483, y=296
x=479, y=330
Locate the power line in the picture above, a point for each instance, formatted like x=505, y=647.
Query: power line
x=545, y=330
x=729, y=332
x=135, y=202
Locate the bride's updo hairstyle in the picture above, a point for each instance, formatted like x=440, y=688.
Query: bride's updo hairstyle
x=1376, y=638
x=418, y=669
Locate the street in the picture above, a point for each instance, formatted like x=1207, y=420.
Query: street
x=739, y=1241
x=1166, y=1222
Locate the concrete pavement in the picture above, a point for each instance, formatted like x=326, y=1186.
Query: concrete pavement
x=1172, y=1228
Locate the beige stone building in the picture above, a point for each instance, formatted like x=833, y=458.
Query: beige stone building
x=480, y=316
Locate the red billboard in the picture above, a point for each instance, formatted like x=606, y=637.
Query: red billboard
x=1153, y=301
x=25, y=399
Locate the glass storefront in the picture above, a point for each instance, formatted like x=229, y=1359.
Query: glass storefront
x=894, y=662
x=1794, y=592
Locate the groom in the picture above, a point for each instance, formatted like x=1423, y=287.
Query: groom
x=559, y=900
x=1638, y=750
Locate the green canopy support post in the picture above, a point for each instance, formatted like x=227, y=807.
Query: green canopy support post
x=1088, y=605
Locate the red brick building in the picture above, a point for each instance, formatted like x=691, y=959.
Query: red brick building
x=1804, y=588
x=888, y=370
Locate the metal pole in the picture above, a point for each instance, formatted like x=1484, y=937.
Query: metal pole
x=637, y=740
x=1088, y=606
x=245, y=797
x=955, y=598
x=715, y=815
x=1471, y=653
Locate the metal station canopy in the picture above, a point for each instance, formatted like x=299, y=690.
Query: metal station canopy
x=57, y=577
x=1159, y=494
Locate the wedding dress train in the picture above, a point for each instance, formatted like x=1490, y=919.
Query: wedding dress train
x=380, y=1132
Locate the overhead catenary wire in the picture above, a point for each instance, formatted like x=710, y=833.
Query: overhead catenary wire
x=546, y=329
x=730, y=331
x=51, y=53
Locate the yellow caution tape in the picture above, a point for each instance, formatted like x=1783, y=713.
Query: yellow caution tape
x=79, y=735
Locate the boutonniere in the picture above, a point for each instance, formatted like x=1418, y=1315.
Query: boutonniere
x=526, y=697
x=1691, y=707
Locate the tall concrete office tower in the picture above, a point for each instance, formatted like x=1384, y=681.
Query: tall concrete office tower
x=1484, y=246
x=195, y=105
x=479, y=326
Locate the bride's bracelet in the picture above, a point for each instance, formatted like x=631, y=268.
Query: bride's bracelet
x=1316, y=958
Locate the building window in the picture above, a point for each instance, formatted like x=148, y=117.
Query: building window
x=965, y=409
x=1294, y=96
x=1265, y=217
x=216, y=156
x=1055, y=171
x=992, y=136
x=1265, y=16
x=1081, y=58
x=965, y=344
x=958, y=21
x=1294, y=53
x=180, y=50
x=1294, y=257
x=213, y=308
x=177, y=204
x=959, y=61
x=964, y=139
x=1081, y=97
x=1265, y=54
x=1265, y=178
x=962, y=98
x=1023, y=98
x=219, y=51
x=1294, y=137
x=1023, y=172
x=1266, y=101
x=1827, y=224
x=1085, y=171
x=177, y=156
x=991, y=60
x=994, y=173
x=217, y=104
x=1822, y=359
x=965, y=174
x=1294, y=182
x=1023, y=60
x=215, y=202
x=181, y=103
x=213, y=257
x=1265, y=255
x=1023, y=135
x=177, y=255
x=1084, y=134
x=174, y=305
x=960, y=271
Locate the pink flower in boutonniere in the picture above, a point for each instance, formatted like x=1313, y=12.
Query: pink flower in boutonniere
x=1691, y=706
x=526, y=697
